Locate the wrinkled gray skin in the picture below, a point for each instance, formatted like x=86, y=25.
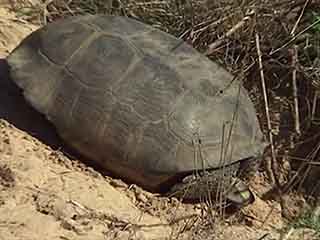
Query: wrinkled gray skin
x=141, y=103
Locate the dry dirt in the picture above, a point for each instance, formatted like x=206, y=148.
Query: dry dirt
x=46, y=194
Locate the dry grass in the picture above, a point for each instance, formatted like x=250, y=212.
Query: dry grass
x=288, y=35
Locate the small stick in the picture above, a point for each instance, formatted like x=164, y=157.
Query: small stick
x=294, y=55
x=295, y=89
x=299, y=19
x=45, y=11
x=314, y=105
x=273, y=158
x=220, y=41
x=288, y=234
x=263, y=236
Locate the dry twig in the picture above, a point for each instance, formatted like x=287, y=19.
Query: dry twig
x=294, y=55
x=295, y=89
x=299, y=19
x=220, y=41
x=265, y=97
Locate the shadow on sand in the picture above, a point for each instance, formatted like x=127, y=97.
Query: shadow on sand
x=15, y=109
x=19, y=113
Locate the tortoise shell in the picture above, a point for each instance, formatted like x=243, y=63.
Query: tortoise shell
x=138, y=101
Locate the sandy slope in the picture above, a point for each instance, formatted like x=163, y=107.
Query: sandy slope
x=46, y=195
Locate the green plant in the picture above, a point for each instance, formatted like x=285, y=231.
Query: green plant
x=315, y=16
x=308, y=220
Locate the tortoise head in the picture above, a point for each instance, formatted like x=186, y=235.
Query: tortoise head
x=239, y=194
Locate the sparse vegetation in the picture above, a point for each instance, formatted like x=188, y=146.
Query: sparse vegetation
x=308, y=220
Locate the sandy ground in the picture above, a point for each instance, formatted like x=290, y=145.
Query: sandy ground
x=48, y=194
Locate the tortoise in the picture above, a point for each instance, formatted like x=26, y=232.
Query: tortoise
x=142, y=104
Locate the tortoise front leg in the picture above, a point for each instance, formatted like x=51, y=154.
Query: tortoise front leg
x=211, y=184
